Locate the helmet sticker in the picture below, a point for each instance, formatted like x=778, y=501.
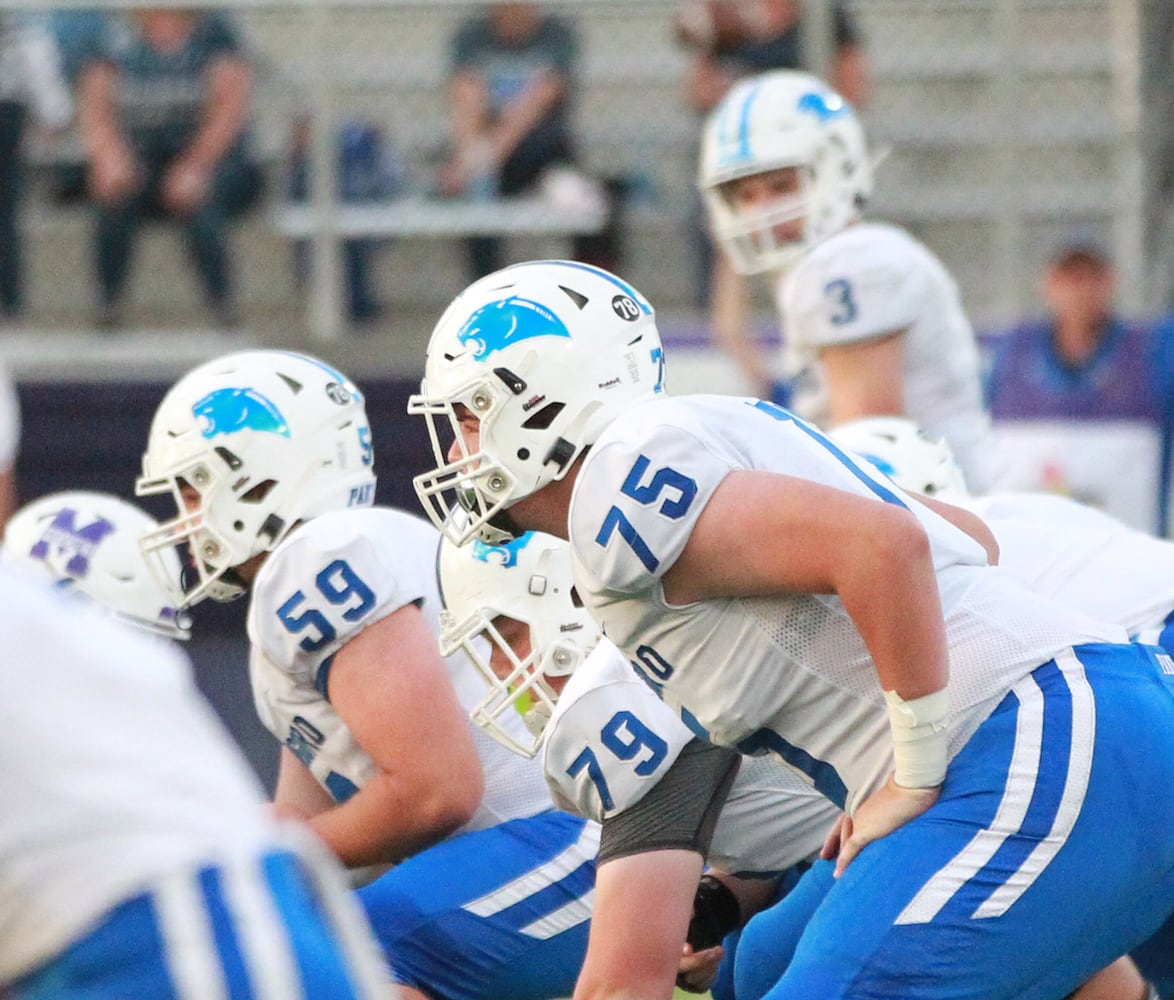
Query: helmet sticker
x=64, y=537
x=823, y=106
x=501, y=324
x=226, y=411
x=624, y=307
x=504, y=554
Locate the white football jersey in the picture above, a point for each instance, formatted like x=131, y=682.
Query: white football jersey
x=610, y=740
x=116, y=771
x=873, y=279
x=788, y=674
x=1082, y=557
x=330, y=579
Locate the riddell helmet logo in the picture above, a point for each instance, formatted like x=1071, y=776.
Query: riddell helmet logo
x=226, y=411
x=532, y=402
x=501, y=324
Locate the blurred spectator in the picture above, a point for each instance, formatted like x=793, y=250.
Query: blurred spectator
x=1081, y=397
x=30, y=76
x=163, y=106
x=367, y=170
x=732, y=39
x=513, y=77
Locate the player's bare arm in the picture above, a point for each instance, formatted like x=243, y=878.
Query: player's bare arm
x=864, y=378
x=391, y=688
x=764, y=533
x=653, y=891
x=298, y=794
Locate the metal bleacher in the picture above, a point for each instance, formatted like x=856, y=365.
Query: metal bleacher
x=1007, y=124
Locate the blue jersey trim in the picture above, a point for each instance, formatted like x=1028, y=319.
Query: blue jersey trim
x=824, y=776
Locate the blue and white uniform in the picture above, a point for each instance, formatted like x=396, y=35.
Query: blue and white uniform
x=502, y=907
x=871, y=280
x=1046, y=764
x=1077, y=555
x=138, y=857
x=610, y=740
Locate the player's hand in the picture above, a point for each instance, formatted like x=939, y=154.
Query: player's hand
x=880, y=814
x=841, y=830
x=698, y=970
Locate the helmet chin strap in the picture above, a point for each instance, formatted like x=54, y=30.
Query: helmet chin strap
x=536, y=718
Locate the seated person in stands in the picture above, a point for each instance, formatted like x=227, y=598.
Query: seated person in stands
x=163, y=104
x=513, y=76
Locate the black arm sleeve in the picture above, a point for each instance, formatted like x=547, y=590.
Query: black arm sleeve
x=681, y=811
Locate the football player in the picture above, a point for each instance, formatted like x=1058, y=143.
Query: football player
x=784, y=598
x=138, y=857
x=268, y=456
x=873, y=321
x=88, y=543
x=606, y=742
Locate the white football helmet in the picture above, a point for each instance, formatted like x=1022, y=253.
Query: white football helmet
x=906, y=454
x=528, y=580
x=545, y=355
x=89, y=543
x=259, y=440
x=784, y=118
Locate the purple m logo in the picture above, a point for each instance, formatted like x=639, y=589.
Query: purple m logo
x=63, y=537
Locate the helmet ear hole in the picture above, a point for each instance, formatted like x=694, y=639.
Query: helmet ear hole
x=259, y=492
x=544, y=418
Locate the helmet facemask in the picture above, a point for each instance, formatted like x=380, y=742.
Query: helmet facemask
x=517, y=684
x=767, y=236
x=512, y=609
x=247, y=446
x=542, y=356
x=472, y=483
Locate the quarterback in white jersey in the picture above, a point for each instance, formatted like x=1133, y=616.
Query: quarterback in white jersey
x=787, y=599
x=269, y=456
x=869, y=315
x=614, y=752
x=137, y=854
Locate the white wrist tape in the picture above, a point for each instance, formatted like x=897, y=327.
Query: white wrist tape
x=920, y=740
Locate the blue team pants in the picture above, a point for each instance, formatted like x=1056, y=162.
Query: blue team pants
x=1049, y=854
x=492, y=914
x=253, y=930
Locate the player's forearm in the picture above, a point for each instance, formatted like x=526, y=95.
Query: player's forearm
x=890, y=591
x=389, y=820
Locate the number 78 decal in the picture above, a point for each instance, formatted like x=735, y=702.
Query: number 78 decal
x=672, y=508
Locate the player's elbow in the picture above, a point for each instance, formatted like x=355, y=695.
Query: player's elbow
x=902, y=538
x=451, y=802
